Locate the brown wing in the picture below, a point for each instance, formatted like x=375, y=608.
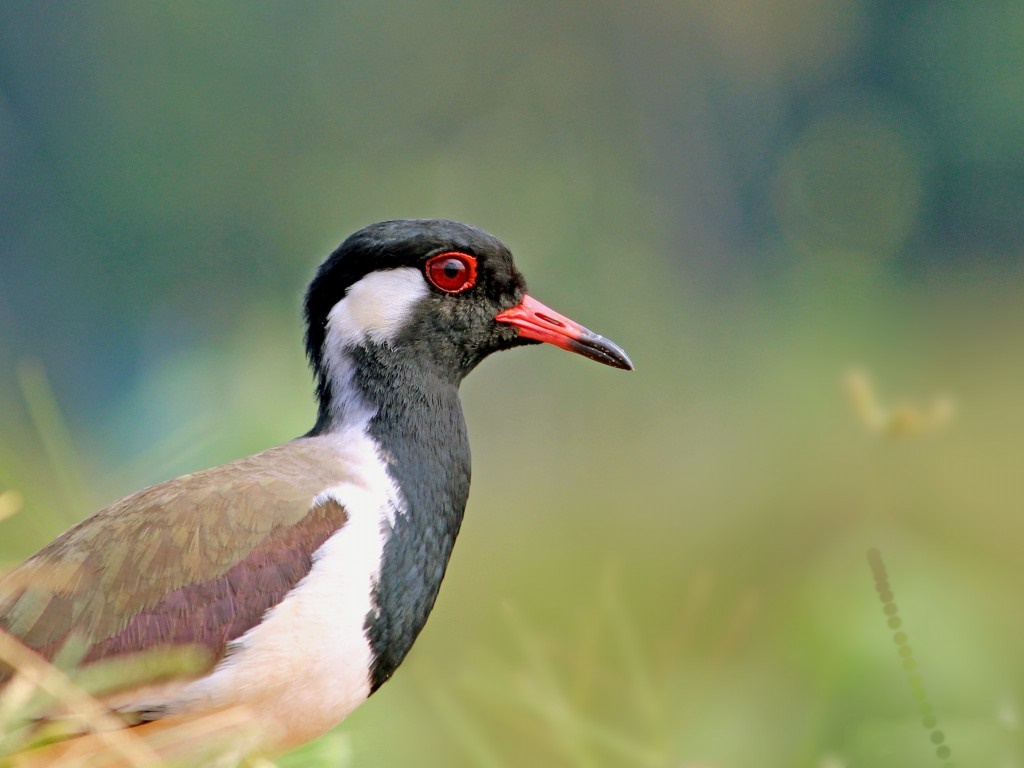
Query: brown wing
x=197, y=560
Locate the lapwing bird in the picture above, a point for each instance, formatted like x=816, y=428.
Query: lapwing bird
x=304, y=573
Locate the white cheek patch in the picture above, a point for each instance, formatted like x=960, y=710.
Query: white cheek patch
x=376, y=307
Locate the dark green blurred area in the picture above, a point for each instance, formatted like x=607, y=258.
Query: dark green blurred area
x=658, y=569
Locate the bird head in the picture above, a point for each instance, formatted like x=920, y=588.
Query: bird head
x=433, y=294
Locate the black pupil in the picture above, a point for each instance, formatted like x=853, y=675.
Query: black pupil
x=452, y=268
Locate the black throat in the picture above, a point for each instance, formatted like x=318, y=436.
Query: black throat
x=417, y=421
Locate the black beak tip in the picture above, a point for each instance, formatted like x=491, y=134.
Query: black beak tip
x=625, y=363
x=601, y=350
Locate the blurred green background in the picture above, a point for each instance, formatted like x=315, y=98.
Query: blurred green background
x=659, y=569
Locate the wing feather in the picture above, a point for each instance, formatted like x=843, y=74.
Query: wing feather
x=194, y=561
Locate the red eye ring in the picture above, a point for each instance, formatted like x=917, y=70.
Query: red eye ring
x=451, y=272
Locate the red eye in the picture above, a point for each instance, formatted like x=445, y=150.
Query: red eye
x=452, y=272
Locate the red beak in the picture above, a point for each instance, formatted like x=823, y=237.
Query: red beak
x=535, y=321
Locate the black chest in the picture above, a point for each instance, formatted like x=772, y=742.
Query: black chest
x=423, y=440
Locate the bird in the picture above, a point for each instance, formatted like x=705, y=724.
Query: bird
x=305, y=572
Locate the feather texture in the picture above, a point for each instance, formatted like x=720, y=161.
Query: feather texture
x=197, y=560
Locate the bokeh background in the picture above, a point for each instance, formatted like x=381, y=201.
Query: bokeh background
x=658, y=569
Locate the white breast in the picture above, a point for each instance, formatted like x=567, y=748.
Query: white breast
x=307, y=664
